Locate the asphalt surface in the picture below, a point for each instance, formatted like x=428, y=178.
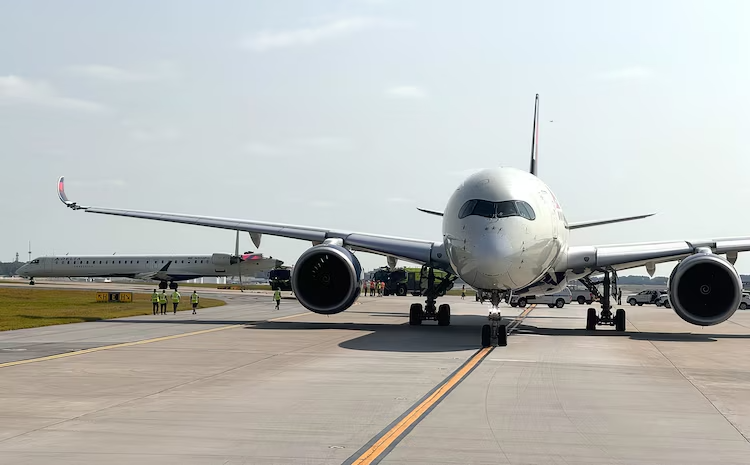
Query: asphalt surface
x=245, y=384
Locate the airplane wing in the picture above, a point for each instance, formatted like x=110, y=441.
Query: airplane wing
x=412, y=250
x=624, y=256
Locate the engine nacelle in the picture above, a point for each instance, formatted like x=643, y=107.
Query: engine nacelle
x=705, y=289
x=327, y=279
x=221, y=259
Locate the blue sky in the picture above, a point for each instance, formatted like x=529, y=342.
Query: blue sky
x=352, y=113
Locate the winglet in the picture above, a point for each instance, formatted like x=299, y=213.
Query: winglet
x=431, y=212
x=535, y=137
x=64, y=198
x=165, y=267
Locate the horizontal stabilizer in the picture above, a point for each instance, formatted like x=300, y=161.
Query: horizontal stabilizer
x=431, y=212
x=588, y=224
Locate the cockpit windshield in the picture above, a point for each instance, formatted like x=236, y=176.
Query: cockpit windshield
x=35, y=261
x=503, y=209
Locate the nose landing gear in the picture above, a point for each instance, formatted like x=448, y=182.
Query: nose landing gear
x=495, y=333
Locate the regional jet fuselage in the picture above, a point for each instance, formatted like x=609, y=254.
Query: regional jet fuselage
x=162, y=268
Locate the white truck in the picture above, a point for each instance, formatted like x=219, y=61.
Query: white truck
x=645, y=297
x=581, y=295
x=552, y=300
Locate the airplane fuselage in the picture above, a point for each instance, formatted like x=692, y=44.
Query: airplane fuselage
x=503, y=229
x=182, y=267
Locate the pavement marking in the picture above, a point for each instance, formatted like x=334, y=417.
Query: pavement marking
x=380, y=446
x=136, y=343
x=519, y=319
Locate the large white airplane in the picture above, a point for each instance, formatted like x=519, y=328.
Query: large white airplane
x=166, y=269
x=503, y=232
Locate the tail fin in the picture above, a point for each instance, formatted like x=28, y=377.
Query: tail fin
x=535, y=137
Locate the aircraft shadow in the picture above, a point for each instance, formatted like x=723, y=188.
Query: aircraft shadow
x=462, y=334
x=638, y=336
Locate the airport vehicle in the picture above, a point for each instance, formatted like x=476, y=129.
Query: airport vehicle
x=503, y=231
x=280, y=278
x=581, y=295
x=166, y=269
x=402, y=281
x=649, y=296
x=558, y=299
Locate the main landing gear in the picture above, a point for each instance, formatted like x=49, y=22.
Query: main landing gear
x=441, y=314
x=605, y=317
x=495, y=333
x=31, y=283
x=172, y=285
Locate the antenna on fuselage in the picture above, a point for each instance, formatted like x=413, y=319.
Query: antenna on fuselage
x=535, y=137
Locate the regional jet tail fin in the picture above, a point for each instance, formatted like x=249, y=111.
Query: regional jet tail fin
x=588, y=224
x=431, y=212
x=535, y=137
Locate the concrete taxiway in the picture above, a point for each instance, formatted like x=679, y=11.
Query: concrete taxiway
x=246, y=384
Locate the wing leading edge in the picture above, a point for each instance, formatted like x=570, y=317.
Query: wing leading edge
x=413, y=250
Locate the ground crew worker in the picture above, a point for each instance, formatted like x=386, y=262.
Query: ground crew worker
x=364, y=287
x=194, y=300
x=163, y=302
x=463, y=291
x=372, y=288
x=277, y=298
x=382, y=288
x=155, y=301
x=175, y=300
x=619, y=297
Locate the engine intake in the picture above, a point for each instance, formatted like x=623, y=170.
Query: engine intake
x=327, y=279
x=705, y=289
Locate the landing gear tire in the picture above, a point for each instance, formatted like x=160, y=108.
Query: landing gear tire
x=415, y=314
x=486, y=335
x=591, y=319
x=620, y=320
x=502, y=336
x=31, y=283
x=560, y=303
x=444, y=315
x=162, y=284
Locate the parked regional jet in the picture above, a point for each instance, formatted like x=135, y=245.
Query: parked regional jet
x=503, y=232
x=162, y=268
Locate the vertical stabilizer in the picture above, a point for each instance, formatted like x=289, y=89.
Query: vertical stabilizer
x=535, y=137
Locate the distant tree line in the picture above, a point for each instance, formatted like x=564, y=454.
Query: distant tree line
x=657, y=280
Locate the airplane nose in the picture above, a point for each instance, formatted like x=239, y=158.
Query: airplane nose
x=493, y=255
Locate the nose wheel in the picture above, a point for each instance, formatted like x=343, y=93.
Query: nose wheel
x=495, y=333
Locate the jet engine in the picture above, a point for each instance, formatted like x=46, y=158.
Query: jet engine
x=327, y=279
x=705, y=289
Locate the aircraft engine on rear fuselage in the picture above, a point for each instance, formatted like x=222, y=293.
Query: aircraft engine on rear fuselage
x=705, y=289
x=327, y=279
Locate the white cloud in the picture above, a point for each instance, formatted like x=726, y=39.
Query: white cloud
x=633, y=72
x=113, y=74
x=267, y=40
x=326, y=143
x=15, y=90
x=321, y=204
x=411, y=92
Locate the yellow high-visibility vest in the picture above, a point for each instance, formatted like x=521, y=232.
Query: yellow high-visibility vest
x=154, y=297
x=277, y=295
x=194, y=298
x=175, y=297
x=163, y=298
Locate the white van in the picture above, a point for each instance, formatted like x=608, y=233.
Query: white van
x=552, y=300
